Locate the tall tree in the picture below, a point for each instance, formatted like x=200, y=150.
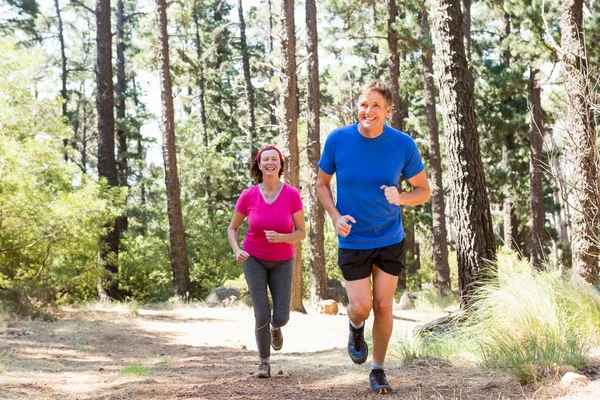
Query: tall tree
x=535, y=171
x=123, y=169
x=251, y=124
x=508, y=145
x=581, y=144
x=475, y=244
x=316, y=216
x=289, y=127
x=179, y=259
x=64, y=71
x=438, y=204
x=396, y=117
x=107, y=167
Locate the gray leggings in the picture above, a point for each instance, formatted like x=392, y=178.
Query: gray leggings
x=278, y=276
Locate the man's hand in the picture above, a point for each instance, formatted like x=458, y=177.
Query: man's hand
x=391, y=194
x=342, y=225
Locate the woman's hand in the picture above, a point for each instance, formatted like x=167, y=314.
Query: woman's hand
x=241, y=256
x=273, y=237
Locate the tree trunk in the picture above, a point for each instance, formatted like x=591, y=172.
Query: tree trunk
x=438, y=204
x=122, y=136
x=396, y=117
x=536, y=169
x=316, y=214
x=272, y=97
x=511, y=228
x=179, y=259
x=107, y=167
x=249, y=90
x=466, y=9
x=201, y=79
x=289, y=128
x=64, y=72
x=581, y=144
x=468, y=193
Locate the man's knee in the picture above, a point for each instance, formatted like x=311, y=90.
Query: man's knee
x=360, y=310
x=383, y=307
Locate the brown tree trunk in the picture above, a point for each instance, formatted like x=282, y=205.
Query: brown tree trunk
x=396, y=117
x=272, y=97
x=64, y=72
x=466, y=9
x=438, y=204
x=536, y=170
x=581, y=142
x=475, y=244
x=201, y=79
x=249, y=89
x=316, y=214
x=289, y=128
x=179, y=259
x=107, y=167
x=122, y=140
x=511, y=228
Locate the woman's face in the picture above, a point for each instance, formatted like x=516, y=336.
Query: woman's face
x=270, y=164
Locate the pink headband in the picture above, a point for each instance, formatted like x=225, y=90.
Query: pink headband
x=268, y=148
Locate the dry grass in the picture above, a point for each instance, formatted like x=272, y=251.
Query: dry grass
x=195, y=352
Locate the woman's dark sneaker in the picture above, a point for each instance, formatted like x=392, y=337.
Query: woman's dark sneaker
x=357, y=347
x=264, y=370
x=379, y=383
x=276, y=338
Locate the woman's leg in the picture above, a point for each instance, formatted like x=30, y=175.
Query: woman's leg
x=256, y=277
x=280, y=285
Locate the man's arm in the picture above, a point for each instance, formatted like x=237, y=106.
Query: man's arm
x=326, y=199
x=419, y=195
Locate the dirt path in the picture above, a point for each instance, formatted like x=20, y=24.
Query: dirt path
x=204, y=353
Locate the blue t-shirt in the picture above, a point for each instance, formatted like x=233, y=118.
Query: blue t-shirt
x=361, y=166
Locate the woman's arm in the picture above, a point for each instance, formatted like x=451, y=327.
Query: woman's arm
x=232, y=235
x=297, y=235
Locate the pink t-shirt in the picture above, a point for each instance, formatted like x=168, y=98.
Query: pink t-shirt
x=262, y=216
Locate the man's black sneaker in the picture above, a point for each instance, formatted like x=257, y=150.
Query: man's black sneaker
x=379, y=383
x=357, y=347
x=276, y=338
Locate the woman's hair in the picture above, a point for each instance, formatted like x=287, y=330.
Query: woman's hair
x=377, y=86
x=256, y=172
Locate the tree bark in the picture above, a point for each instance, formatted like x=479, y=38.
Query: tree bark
x=396, y=117
x=179, y=259
x=468, y=193
x=122, y=135
x=249, y=89
x=289, y=128
x=535, y=170
x=511, y=227
x=64, y=72
x=438, y=204
x=581, y=144
x=316, y=214
x=107, y=167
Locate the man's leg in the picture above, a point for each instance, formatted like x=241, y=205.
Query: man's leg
x=384, y=287
x=360, y=303
x=360, y=300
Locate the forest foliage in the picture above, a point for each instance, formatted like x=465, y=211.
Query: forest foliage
x=54, y=209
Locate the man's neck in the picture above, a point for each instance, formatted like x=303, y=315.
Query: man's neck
x=368, y=133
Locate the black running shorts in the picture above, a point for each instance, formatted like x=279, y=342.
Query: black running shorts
x=358, y=264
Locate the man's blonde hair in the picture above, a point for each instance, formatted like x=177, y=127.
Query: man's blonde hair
x=379, y=87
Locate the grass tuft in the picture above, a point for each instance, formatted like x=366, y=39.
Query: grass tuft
x=134, y=369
